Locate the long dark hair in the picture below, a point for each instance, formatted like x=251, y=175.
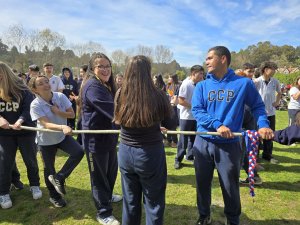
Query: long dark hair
x=90, y=71
x=140, y=103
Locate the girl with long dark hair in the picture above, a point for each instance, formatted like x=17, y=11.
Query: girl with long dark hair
x=139, y=109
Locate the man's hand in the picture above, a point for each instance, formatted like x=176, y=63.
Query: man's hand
x=266, y=133
x=225, y=132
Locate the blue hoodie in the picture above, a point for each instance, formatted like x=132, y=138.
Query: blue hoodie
x=222, y=102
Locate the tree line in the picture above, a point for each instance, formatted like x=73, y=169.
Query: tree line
x=20, y=48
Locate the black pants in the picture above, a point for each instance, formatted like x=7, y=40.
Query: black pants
x=71, y=122
x=268, y=144
x=103, y=167
x=174, y=124
x=71, y=147
x=186, y=142
x=8, y=149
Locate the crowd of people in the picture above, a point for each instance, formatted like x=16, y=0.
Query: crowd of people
x=142, y=106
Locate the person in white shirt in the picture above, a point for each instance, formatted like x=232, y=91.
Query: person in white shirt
x=54, y=81
x=270, y=92
x=294, y=104
x=187, y=121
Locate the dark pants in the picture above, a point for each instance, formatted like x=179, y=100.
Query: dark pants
x=186, y=142
x=79, y=127
x=292, y=115
x=226, y=158
x=144, y=175
x=8, y=149
x=15, y=174
x=174, y=124
x=71, y=121
x=268, y=144
x=75, y=152
x=103, y=167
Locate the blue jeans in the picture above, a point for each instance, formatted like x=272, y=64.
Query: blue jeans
x=226, y=158
x=143, y=175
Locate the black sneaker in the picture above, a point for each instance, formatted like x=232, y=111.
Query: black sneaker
x=58, y=203
x=18, y=185
x=59, y=185
x=204, y=221
x=257, y=181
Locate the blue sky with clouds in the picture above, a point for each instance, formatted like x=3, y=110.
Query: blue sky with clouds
x=188, y=27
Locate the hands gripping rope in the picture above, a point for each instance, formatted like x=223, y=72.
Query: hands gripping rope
x=251, y=137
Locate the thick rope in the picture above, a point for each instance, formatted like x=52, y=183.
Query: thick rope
x=118, y=131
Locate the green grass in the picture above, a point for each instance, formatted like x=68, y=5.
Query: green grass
x=276, y=202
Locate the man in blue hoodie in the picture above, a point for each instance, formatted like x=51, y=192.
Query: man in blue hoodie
x=218, y=105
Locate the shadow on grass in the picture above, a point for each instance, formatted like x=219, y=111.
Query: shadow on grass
x=288, y=149
x=175, y=213
x=284, y=186
x=281, y=159
x=188, y=179
x=80, y=208
x=280, y=168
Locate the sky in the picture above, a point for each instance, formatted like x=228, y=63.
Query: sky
x=187, y=27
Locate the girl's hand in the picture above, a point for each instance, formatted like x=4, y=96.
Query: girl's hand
x=4, y=123
x=17, y=125
x=66, y=130
x=163, y=129
x=55, y=109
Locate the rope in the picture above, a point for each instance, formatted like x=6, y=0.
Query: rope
x=118, y=131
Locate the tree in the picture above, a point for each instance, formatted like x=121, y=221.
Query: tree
x=16, y=36
x=3, y=48
x=32, y=40
x=163, y=54
x=144, y=50
x=50, y=39
x=87, y=48
x=118, y=57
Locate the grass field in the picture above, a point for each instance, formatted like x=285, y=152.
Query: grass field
x=276, y=202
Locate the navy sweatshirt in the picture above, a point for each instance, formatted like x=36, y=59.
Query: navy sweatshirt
x=288, y=135
x=12, y=111
x=97, y=114
x=70, y=84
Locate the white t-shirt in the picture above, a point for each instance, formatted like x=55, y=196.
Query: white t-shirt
x=186, y=91
x=268, y=93
x=294, y=104
x=56, y=83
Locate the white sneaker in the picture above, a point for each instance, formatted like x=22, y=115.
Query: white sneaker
x=111, y=220
x=116, y=198
x=274, y=161
x=36, y=192
x=5, y=201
